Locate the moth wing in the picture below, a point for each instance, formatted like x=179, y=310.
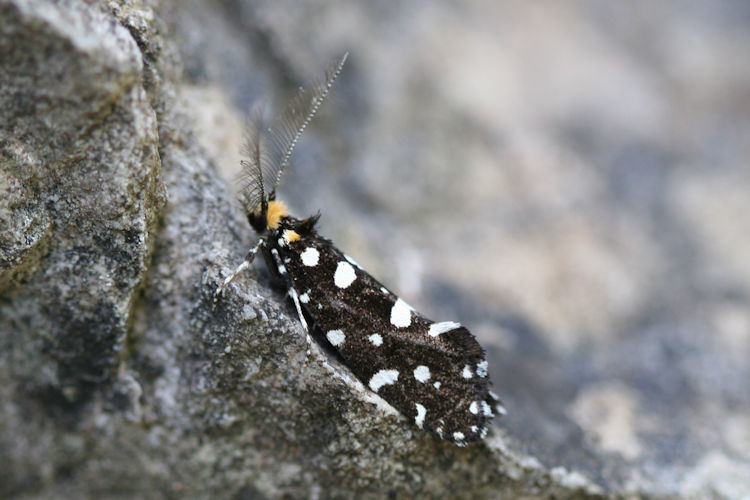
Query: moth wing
x=434, y=373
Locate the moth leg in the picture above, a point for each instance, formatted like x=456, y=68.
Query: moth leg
x=293, y=294
x=245, y=264
x=295, y=299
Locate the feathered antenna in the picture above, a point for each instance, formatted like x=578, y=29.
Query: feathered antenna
x=269, y=149
x=252, y=192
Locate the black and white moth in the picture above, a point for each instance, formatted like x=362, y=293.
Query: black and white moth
x=433, y=373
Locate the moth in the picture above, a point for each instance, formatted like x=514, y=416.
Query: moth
x=434, y=373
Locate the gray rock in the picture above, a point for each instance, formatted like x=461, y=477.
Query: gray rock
x=537, y=173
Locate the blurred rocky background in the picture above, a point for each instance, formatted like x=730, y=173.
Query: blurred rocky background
x=569, y=180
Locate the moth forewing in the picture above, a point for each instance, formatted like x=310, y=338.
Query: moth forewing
x=434, y=373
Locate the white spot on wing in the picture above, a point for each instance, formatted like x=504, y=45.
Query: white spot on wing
x=474, y=429
x=482, y=369
x=344, y=275
x=384, y=290
x=383, y=377
x=310, y=256
x=467, y=372
x=335, y=337
x=376, y=339
x=304, y=298
x=458, y=436
x=281, y=242
x=474, y=408
x=421, y=412
x=422, y=373
x=446, y=326
x=437, y=385
x=401, y=314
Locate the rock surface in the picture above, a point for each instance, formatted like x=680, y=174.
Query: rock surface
x=567, y=181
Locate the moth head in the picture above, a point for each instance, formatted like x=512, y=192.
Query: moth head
x=257, y=220
x=267, y=215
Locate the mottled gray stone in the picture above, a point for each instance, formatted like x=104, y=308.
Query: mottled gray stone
x=567, y=181
x=81, y=194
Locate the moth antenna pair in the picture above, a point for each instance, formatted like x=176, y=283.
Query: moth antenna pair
x=268, y=149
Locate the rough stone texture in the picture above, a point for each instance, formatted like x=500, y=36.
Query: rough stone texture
x=569, y=180
x=81, y=194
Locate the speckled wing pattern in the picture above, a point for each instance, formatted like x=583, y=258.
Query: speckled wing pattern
x=433, y=373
